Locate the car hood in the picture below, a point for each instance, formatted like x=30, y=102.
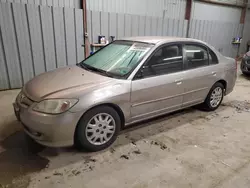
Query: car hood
x=60, y=80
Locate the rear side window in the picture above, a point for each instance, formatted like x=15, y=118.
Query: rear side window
x=212, y=58
x=196, y=56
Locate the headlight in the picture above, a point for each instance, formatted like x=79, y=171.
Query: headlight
x=55, y=106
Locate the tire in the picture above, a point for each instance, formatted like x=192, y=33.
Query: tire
x=89, y=127
x=207, y=105
x=246, y=73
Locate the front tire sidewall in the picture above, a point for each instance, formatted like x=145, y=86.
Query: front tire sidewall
x=207, y=101
x=80, y=137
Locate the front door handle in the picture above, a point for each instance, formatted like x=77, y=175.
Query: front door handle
x=179, y=81
x=214, y=73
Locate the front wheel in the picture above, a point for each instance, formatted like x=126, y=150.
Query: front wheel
x=214, y=97
x=97, y=129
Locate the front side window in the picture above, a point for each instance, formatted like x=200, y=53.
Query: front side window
x=165, y=60
x=196, y=56
x=117, y=59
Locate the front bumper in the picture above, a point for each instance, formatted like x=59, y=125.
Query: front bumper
x=49, y=130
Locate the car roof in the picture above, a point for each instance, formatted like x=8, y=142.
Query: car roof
x=160, y=39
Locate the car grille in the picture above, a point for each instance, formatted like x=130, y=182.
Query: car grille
x=23, y=100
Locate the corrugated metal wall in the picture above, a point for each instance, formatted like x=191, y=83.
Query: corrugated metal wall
x=169, y=8
x=55, y=3
x=35, y=39
x=121, y=25
x=218, y=34
x=157, y=8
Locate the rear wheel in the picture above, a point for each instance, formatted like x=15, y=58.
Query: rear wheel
x=214, y=97
x=98, y=129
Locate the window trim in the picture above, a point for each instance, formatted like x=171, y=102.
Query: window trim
x=153, y=53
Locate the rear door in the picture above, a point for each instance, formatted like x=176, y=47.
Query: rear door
x=201, y=73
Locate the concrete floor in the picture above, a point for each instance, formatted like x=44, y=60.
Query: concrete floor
x=190, y=148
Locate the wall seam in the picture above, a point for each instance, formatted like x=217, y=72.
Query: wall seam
x=54, y=36
x=31, y=47
x=5, y=60
x=65, y=37
x=17, y=43
x=44, y=56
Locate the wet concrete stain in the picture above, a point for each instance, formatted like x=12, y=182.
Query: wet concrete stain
x=161, y=144
x=124, y=157
x=240, y=106
x=137, y=152
x=18, y=159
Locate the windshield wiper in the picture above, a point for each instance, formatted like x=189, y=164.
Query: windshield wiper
x=82, y=66
x=103, y=72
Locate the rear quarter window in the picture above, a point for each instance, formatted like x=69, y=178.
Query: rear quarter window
x=213, y=59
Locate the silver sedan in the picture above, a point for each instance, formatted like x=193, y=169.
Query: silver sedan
x=127, y=81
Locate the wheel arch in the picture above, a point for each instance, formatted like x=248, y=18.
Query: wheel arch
x=112, y=105
x=223, y=82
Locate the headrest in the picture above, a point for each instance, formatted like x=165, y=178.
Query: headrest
x=171, y=52
x=199, y=55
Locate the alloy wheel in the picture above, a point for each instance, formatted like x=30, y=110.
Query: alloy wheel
x=216, y=97
x=100, y=129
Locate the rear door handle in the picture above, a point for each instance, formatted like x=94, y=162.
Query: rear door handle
x=214, y=73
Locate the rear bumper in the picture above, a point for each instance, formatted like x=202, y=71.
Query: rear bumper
x=230, y=78
x=49, y=130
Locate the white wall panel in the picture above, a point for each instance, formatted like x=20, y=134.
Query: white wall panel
x=206, y=11
x=232, y=2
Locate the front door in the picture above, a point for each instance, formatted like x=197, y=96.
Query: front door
x=159, y=87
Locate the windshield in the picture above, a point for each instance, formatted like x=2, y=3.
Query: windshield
x=118, y=58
